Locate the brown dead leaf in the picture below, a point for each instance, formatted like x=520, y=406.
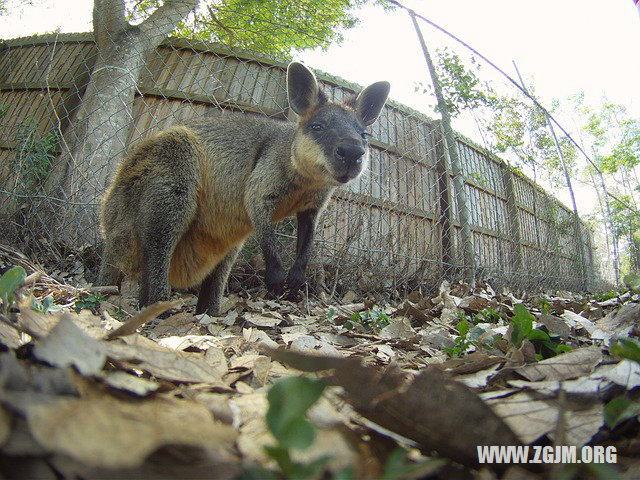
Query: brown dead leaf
x=167, y=364
x=426, y=408
x=34, y=323
x=411, y=311
x=620, y=322
x=568, y=365
x=531, y=417
x=110, y=433
x=400, y=327
x=130, y=383
x=66, y=344
x=10, y=336
x=145, y=315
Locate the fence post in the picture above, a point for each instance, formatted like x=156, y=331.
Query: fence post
x=614, y=240
x=456, y=167
x=444, y=203
x=576, y=223
x=514, y=222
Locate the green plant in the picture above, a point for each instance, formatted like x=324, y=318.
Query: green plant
x=544, y=306
x=620, y=409
x=397, y=467
x=45, y=305
x=289, y=400
x=4, y=108
x=462, y=342
x=369, y=321
x=10, y=281
x=35, y=154
x=490, y=315
x=522, y=329
x=91, y=302
x=626, y=348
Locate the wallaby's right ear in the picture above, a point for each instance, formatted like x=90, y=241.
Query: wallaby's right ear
x=302, y=88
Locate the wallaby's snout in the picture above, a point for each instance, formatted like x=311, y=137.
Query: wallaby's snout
x=349, y=158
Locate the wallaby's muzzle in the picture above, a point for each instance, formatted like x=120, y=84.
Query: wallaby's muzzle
x=348, y=161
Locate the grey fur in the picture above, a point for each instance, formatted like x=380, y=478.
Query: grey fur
x=184, y=201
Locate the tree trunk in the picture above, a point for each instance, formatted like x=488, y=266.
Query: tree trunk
x=96, y=139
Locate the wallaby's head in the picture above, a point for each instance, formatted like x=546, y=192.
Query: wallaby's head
x=330, y=144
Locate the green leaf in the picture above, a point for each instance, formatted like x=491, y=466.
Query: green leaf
x=540, y=335
x=626, y=348
x=620, y=409
x=9, y=282
x=463, y=327
x=521, y=324
x=397, y=467
x=290, y=398
x=632, y=280
x=297, y=433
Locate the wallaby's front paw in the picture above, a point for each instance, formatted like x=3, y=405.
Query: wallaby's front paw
x=295, y=279
x=275, y=280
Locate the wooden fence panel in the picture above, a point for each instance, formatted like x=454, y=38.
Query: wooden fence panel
x=398, y=221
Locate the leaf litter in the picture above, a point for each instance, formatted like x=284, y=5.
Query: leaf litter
x=95, y=394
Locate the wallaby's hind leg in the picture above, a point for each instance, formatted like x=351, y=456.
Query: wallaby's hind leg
x=109, y=274
x=212, y=288
x=168, y=205
x=166, y=218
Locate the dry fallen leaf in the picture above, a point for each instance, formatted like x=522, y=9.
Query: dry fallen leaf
x=66, y=344
x=569, y=365
x=167, y=364
x=109, y=433
x=145, y=315
x=130, y=383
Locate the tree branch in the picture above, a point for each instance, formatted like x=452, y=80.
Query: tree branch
x=161, y=22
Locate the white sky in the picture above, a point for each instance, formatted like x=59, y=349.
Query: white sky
x=561, y=46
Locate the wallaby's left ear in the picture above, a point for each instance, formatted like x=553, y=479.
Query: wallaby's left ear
x=370, y=101
x=302, y=88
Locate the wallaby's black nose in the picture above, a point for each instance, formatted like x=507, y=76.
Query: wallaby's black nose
x=350, y=153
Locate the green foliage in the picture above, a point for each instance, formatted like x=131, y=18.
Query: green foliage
x=620, y=409
x=490, y=315
x=90, y=302
x=544, y=305
x=9, y=283
x=46, y=305
x=397, y=467
x=632, y=281
x=522, y=329
x=35, y=154
x=4, y=108
x=461, y=86
x=369, y=321
x=271, y=27
x=521, y=325
x=289, y=399
x=626, y=348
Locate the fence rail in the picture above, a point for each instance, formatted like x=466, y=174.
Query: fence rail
x=395, y=227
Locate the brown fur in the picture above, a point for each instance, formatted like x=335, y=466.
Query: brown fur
x=184, y=201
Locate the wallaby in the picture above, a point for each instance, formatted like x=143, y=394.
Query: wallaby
x=183, y=201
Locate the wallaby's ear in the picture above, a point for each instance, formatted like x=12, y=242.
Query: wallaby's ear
x=302, y=88
x=370, y=101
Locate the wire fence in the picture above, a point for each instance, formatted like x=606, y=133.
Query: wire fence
x=396, y=228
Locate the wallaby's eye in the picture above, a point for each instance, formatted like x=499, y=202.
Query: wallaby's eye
x=365, y=135
x=317, y=127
